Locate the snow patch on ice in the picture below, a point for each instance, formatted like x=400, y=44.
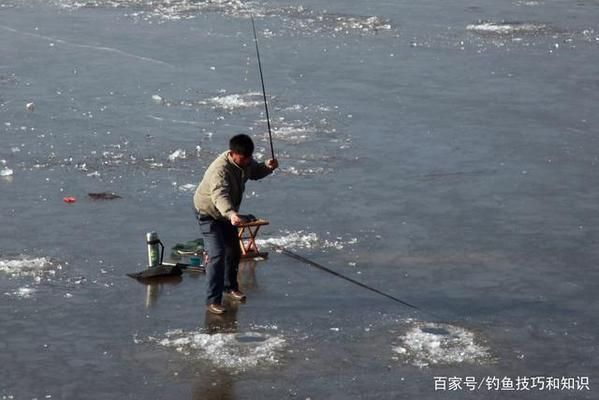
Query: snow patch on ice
x=26, y=266
x=22, y=292
x=235, y=352
x=506, y=28
x=291, y=170
x=188, y=187
x=6, y=172
x=300, y=18
x=305, y=240
x=236, y=101
x=427, y=343
x=178, y=154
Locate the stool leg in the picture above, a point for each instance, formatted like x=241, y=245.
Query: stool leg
x=240, y=232
x=253, y=245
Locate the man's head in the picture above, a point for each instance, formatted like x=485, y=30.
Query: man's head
x=242, y=148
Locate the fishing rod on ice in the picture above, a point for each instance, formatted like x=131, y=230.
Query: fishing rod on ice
x=272, y=151
x=321, y=267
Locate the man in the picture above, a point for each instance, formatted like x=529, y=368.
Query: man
x=217, y=200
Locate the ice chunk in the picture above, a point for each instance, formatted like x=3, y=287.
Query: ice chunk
x=6, y=172
x=188, y=187
x=177, y=154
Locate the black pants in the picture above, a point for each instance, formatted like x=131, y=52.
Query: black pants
x=224, y=253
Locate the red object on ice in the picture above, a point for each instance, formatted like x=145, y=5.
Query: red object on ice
x=69, y=199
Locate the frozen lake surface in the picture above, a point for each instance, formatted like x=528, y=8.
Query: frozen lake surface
x=444, y=153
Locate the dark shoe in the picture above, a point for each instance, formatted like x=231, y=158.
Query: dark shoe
x=236, y=295
x=216, y=309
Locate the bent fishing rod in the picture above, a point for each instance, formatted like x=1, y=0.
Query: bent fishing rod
x=272, y=151
x=321, y=267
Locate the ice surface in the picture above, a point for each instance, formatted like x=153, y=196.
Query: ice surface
x=420, y=120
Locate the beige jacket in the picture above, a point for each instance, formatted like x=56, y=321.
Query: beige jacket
x=221, y=190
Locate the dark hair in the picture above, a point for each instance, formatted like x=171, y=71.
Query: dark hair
x=242, y=144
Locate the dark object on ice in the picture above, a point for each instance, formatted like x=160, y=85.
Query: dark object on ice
x=166, y=269
x=243, y=338
x=436, y=331
x=154, y=272
x=104, y=196
x=188, y=267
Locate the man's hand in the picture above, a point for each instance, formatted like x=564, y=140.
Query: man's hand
x=236, y=219
x=272, y=164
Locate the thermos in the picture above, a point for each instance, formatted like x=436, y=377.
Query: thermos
x=155, y=249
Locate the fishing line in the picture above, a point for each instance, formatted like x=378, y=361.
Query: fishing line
x=272, y=151
x=305, y=260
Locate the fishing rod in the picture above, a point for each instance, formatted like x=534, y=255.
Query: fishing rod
x=272, y=151
x=355, y=282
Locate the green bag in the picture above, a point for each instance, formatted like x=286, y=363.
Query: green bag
x=190, y=248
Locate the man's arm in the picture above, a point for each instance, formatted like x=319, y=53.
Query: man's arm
x=261, y=170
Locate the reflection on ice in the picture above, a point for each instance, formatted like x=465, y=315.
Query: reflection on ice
x=427, y=343
x=235, y=352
